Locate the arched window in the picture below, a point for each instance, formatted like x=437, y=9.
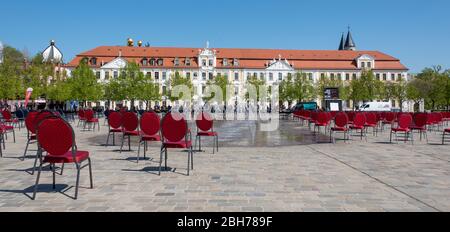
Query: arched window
x=152, y=62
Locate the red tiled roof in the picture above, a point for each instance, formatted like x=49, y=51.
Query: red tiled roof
x=248, y=58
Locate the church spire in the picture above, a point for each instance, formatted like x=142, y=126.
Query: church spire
x=349, y=43
x=342, y=43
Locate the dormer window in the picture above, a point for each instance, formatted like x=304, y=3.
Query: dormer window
x=187, y=61
x=236, y=62
x=94, y=61
x=144, y=62
x=152, y=62
x=176, y=61
x=160, y=62
x=225, y=62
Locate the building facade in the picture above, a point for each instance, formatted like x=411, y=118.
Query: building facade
x=270, y=65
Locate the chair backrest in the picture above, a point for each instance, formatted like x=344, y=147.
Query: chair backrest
x=404, y=121
x=130, y=121
x=55, y=136
x=204, y=122
x=150, y=123
x=89, y=114
x=371, y=118
x=6, y=114
x=351, y=116
x=420, y=119
x=359, y=120
x=115, y=119
x=341, y=119
x=39, y=117
x=174, y=127
x=81, y=113
x=390, y=117
x=322, y=117
x=29, y=121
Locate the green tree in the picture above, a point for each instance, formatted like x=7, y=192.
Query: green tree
x=258, y=84
x=149, y=91
x=11, y=72
x=178, y=80
x=222, y=82
x=83, y=84
x=435, y=91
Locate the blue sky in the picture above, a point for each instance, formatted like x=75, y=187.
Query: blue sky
x=417, y=32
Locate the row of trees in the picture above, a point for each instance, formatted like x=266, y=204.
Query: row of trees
x=431, y=85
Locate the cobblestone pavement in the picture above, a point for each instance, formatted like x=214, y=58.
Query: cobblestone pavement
x=356, y=176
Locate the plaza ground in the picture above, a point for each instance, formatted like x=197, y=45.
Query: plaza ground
x=250, y=173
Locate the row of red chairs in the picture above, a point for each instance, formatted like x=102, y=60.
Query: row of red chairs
x=86, y=117
x=172, y=131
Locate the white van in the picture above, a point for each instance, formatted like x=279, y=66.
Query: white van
x=376, y=106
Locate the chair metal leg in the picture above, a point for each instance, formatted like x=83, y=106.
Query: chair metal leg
x=165, y=159
x=139, y=151
x=129, y=142
x=107, y=139
x=37, y=181
x=26, y=149
x=192, y=158
x=54, y=175
x=160, y=159
x=90, y=173
x=14, y=136
x=78, y=181
x=217, y=143
x=188, y=162
x=121, y=147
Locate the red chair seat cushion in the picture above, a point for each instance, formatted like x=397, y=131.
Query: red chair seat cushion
x=132, y=133
x=207, y=133
x=418, y=128
x=321, y=124
x=400, y=129
x=339, y=129
x=447, y=130
x=370, y=125
x=180, y=144
x=12, y=120
x=67, y=158
x=150, y=137
x=115, y=130
x=8, y=127
x=93, y=120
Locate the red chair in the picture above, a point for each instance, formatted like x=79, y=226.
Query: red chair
x=31, y=131
x=371, y=122
x=420, y=124
x=389, y=119
x=322, y=121
x=90, y=120
x=114, y=124
x=359, y=123
x=8, y=129
x=130, y=123
x=149, y=125
x=404, y=123
x=205, y=128
x=81, y=117
x=57, y=138
x=40, y=116
x=340, y=125
x=444, y=135
x=176, y=134
x=9, y=120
